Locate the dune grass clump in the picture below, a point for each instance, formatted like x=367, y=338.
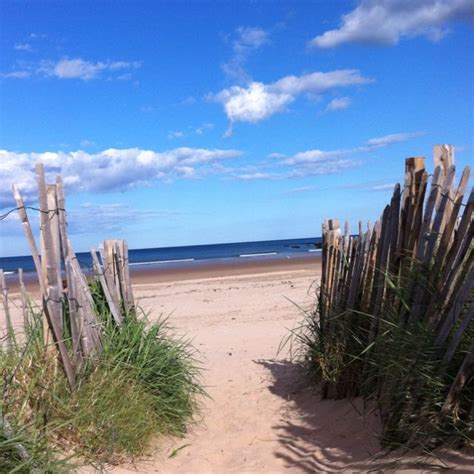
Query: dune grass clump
x=164, y=367
x=402, y=370
x=144, y=383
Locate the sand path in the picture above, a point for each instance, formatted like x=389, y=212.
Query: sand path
x=261, y=417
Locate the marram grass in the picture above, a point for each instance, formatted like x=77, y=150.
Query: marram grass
x=401, y=371
x=144, y=384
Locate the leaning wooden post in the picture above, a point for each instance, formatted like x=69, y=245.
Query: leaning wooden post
x=10, y=336
x=56, y=243
x=443, y=156
x=107, y=270
x=464, y=374
x=61, y=208
x=130, y=300
x=52, y=301
x=98, y=270
x=73, y=312
x=29, y=235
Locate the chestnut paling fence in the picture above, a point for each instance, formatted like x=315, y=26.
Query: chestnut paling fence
x=396, y=305
x=84, y=372
x=67, y=304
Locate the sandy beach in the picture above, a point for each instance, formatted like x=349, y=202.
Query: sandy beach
x=261, y=416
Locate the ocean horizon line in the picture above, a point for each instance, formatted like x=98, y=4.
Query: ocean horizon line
x=189, y=254
x=190, y=246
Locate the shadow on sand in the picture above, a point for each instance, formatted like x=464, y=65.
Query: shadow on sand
x=317, y=435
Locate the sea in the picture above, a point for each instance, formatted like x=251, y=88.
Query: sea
x=178, y=256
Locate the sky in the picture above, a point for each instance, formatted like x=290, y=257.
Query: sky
x=194, y=122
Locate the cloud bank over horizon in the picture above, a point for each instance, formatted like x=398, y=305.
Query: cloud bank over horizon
x=122, y=170
x=110, y=170
x=317, y=162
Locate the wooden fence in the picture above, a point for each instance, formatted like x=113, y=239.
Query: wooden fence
x=413, y=267
x=67, y=303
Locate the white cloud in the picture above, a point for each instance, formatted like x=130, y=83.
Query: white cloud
x=78, y=68
x=125, y=77
x=382, y=187
x=385, y=22
x=339, y=103
x=322, y=167
x=75, y=68
x=391, y=139
x=173, y=134
x=258, y=175
x=259, y=101
x=91, y=217
x=38, y=35
x=88, y=143
x=200, y=130
x=203, y=128
x=15, y=75
x=316, y=156
x=23, y=47
x=253, y=103
x=302, y=189
x=316, y=162
x=110, y=218
x=190, y=100
x=109, y=170
x=248, y=40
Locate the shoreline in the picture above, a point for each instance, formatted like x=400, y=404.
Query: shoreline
x=198, y=269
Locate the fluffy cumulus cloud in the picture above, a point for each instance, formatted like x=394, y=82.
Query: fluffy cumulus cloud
x=109, y=170
x=258, y=101
x=385, y=22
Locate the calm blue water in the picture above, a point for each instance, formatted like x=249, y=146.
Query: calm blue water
x=174, y=256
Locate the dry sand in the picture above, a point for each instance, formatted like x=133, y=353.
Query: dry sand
x=261, y=416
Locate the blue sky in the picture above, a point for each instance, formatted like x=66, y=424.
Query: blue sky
x=189, y=122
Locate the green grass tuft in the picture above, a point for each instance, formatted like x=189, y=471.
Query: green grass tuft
x=145, y=383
